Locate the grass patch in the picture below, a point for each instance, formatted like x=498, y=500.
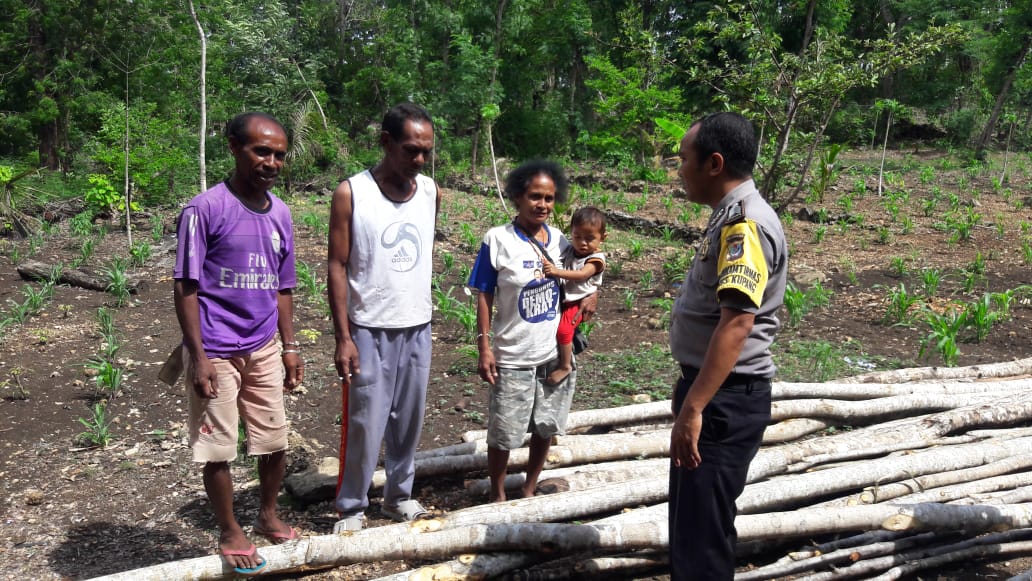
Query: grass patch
x=818, y=361
x=612, y=379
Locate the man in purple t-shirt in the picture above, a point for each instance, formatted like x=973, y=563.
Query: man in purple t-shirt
x=234, y=277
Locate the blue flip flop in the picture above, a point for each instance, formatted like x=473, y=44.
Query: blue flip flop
x=250, y=552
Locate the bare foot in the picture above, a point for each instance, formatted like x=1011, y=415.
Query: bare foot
x=497, y=497
x=529, y=493
x=558, y=375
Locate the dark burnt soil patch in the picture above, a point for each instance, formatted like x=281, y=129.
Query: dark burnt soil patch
x=71, y=512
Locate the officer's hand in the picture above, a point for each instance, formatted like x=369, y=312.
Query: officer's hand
x=684, y=440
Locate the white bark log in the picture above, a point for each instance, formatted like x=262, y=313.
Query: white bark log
x=791, y=490
x=1005, y=369
x=1005, y=410
x=793, y=429
x=472, y=447
x=489, y=565
x=570, y=451
x=854, y=391
x=832, y=558
x=932, y=556
x=326, y=551
x=885, y=492
x=996, y=550
x=313, y=552
x=638, y=413
x=915, y=517
x=874, y=409
x=592, y=476
x=960, y=491
x=1016, y=496
x=635, y=468
x=836, y=460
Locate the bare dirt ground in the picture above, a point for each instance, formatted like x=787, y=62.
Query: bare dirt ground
x=71, y=511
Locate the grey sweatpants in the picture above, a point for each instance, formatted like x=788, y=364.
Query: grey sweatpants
x=385, y=403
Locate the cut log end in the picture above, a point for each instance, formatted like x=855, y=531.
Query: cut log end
x=901, y=522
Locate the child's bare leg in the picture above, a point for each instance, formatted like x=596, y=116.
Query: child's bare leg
x=565, y=366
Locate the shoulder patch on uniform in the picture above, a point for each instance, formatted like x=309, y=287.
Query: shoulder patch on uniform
x=735, y=213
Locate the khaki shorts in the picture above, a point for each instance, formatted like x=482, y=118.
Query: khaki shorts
x=250, y=387
x=520, y=402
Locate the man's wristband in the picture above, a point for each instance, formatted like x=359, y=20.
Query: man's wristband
x=285, y=351
x=291, y=344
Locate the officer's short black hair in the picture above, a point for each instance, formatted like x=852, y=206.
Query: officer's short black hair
x=733, y=137
x=236, y=129
x=589, y=215
x=519, y=179
x=394, y=120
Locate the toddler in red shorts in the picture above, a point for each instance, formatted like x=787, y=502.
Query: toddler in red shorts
x=581, y=275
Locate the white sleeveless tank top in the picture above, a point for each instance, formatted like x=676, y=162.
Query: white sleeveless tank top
x=391, y=260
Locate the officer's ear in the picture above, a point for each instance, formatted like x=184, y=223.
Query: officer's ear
x=716, y=164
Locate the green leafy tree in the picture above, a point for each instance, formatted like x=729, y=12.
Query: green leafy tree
x=741, y=51
x=628, y=98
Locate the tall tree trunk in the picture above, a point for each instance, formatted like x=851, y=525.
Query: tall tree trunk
x=1001, y=98
x=774, y=173
x=204, y=99
x=125, y=152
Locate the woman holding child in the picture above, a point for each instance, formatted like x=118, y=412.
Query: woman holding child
x=521, y=312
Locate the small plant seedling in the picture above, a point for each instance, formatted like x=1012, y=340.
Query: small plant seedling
x=118, y=280
x=942, y=336
x=900, y=305
x=899, y=267
x=98, y=433
x=636, y=249
x=629, y=297
x=139, y=253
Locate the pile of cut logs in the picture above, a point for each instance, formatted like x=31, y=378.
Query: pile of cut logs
x=896, y=471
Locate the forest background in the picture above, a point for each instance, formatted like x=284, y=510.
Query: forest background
x=109, y=97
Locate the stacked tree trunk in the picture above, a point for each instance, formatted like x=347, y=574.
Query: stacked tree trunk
x=891, y=473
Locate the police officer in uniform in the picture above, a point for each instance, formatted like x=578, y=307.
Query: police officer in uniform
x=721, y=329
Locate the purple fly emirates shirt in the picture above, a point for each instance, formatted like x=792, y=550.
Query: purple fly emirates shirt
x=240, y=259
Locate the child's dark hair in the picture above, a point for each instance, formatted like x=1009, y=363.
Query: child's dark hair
x=589, y=215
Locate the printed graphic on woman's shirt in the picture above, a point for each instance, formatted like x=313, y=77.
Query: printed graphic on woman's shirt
x=741, y=264
x=539, y=300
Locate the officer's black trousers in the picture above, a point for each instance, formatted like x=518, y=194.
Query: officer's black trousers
x=702, y=501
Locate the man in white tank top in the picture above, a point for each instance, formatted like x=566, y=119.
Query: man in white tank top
x=380, y=264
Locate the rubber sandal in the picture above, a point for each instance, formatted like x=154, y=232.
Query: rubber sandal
x=349, y=524
x=405, y=511
x=276, y=537
x=249, y=552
